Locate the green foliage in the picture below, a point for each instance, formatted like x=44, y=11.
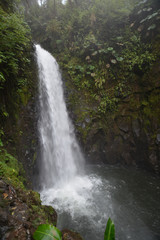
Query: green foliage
x=77, y=24
x=50, y=232
x=153, y=26
x=149, y=17
x=15, y=47
x=11, y=170
x=107, y=104
x=1, y=143
x=14, y=41
x=1, y=134
x=121, y=90
x=110, y=231
x=47, y=232
x=9, y=5
x=99, y=82
x=137, y=55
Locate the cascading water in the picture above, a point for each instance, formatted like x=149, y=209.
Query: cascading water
x=84, y=202
x=61, y=156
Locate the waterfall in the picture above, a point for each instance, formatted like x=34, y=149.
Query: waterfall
x=85, y=201
x=61, y=159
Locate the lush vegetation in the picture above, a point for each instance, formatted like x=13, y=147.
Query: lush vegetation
x=105, y=48
x=11, y=170
x=97, y=44
x=16, y=85
x=50, y=232
x=108, y=51
x=15, y=48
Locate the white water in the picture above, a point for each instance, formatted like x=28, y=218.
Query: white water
x=64, y=186
x=61, y=156
x=84, y=202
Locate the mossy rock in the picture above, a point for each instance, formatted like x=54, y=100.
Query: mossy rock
x=68, y=234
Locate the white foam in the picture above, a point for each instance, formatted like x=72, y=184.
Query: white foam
x=74, y=197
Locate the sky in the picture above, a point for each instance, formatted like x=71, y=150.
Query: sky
x=41, y=1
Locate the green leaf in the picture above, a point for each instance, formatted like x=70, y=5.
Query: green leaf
x=47, y=232
x=110, y=48
x=110, y=231
x=59, y=41
x=1, y=143
x=153, y=26
x=95, y=53
x=119, y=59
x=91, y=67
x=2, y=78
x=113, y=61
x=5, y=114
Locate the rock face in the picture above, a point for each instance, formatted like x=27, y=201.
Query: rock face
x=131, y=134
x=21, y=134
x=130, y=138
x=118, y=121
x=21, y=212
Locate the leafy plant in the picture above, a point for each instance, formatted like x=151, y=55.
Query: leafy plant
x=110, y=231
x=1, y=134
x=99, y=82
x=149, y=17
x=153, y=26
x=137, y=55
x=47, y=232
x=50, y=232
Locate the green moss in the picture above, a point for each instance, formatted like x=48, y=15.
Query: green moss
x=42, y=214
x=36, y=222
x=49, y=209
x=84, y=132
x=151, y=108
x=147, y=111
x=34, y=158
x=33, y=198
x=24, y=95
x=11, y=176
x=35, y=208
x=11, y=170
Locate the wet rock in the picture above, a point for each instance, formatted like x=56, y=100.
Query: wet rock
x=125, y=136
x=52, y=215
x=2, y=184
x=87, y=120
x=123, y=124
x=70, y=235
x=153, y=158
x=124, y=127
x=136, y=127
x=94, y=148
x=18, y=234
x=127, y=158
x=3, y=217
x=21, y=212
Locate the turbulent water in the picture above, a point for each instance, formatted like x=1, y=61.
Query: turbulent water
x=129, y=196
x=85, y=201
